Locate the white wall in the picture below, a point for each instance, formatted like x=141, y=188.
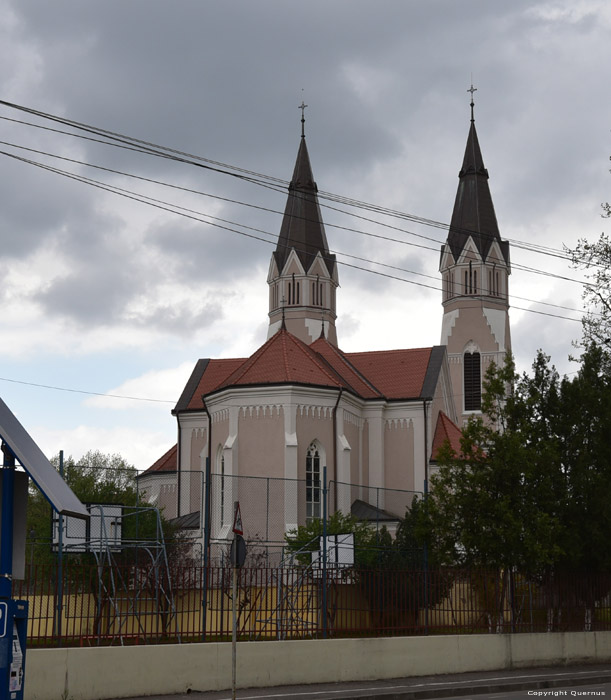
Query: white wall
x=113, y=672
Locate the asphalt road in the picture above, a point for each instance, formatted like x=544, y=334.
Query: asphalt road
x=562, y=681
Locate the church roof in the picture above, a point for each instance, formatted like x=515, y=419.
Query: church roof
x=397, y=374
x=206, y=376
x=302, y=226
x=284, y=360
x=445, y=430
x=473, y=213
x=167, y=463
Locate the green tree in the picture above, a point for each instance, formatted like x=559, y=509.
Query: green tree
x=486, y=500
x=585, y=464
x=368, y=543
x=98, y=478
x=595, y=260
x=392, y=573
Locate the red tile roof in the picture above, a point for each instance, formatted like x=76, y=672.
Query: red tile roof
x=215, y=374
x=398, y=374
x=167, y=463
x=284, y=359
x=445, y=430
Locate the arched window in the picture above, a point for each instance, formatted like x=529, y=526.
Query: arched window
x=472, y=381
x=313, y=485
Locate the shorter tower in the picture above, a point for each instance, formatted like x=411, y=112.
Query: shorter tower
x=302, y=275
x=475, y=271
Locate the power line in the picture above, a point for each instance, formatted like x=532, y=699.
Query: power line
x=150, y=148
x=81, y=391
x=194, y=215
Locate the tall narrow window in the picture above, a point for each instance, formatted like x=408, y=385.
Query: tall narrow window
x=474, y=281
x=313, y=488
x=473, y=381
x=222, y=491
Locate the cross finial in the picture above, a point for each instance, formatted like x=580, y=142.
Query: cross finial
x=302, y=107
x=472, y=90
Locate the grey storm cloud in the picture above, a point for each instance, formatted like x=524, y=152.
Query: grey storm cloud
x=386, y=89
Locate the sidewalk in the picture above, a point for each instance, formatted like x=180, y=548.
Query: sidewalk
x=419, y=687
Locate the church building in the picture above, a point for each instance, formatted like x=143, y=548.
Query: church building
x=299, y=403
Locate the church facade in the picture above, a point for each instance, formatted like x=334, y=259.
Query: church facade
x=299, y=404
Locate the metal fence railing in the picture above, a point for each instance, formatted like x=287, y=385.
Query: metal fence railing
x=288, y=602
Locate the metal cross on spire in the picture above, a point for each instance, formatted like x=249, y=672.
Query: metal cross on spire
x=302, y=107
x=472, y=90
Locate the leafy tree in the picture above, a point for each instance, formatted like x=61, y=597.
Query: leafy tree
x=96, y=478
x=493, y=503
x=585, y=464
x=595, y=259
x=533, y=496
x=392, y=573
x=305, y=539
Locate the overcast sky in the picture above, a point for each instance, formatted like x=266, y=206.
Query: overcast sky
x=104, y=294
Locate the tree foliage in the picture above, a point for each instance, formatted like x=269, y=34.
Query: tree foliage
x=534, y=494
x=392, y=573
x=96, y=478
x=595, y=260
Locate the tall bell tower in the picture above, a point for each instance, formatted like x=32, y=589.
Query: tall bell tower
x=475, y=271
x=302, y=275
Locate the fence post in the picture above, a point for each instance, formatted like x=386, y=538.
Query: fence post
x=324, y=552
x=60, y=563
x=425, y=555
x=207, y=490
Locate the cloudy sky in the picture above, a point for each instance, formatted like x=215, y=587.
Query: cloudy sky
x=103, y=295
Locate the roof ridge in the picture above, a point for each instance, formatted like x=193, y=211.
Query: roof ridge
x=312, y=354
x=342, y=356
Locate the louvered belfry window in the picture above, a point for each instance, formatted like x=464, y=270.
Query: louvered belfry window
x=473, y=381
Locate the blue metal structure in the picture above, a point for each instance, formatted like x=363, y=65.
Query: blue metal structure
x=18, y=445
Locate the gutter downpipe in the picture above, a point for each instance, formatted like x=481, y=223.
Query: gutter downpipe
x=426, y=493
x=207, y=498
x=335, y=460
x=178, y=467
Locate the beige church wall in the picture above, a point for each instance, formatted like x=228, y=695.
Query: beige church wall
x=471, y=325
x=315, y=423
x=365, y=454
x=220, y=433
x=352, y=432
x=399, y=465
x=199, y=448
x=261, y=454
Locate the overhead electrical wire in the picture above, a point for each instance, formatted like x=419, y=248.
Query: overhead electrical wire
x=150, y=148
x=195, y=215
x=277, y=184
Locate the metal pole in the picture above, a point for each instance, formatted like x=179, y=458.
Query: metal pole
x=234, y=606
x=324, y=552
x=6, y=543
x=60, y=561
x=207, y=488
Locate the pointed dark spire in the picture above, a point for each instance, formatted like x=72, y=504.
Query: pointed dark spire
x=302, y=226
x=474, y=213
